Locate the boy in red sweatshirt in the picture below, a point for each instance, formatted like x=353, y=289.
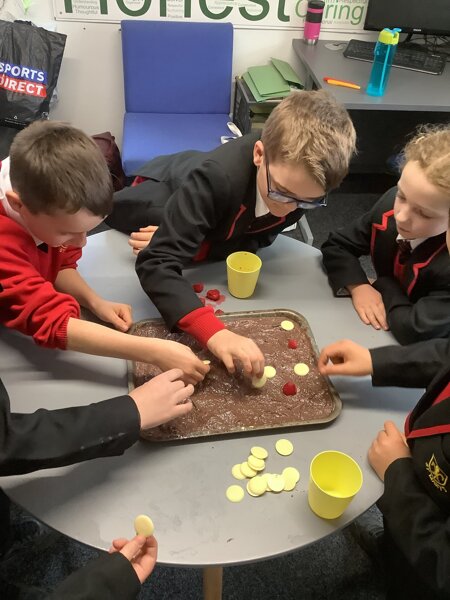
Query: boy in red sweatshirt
x=54, y=188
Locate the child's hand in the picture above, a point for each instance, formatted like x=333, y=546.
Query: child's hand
x=389, y=445
x=117, y=314
x=163, y=398
x=172, y=355
x=346, y=358
x=140, y=551
x=369, y=305
x=229, y=347
x=140, y=239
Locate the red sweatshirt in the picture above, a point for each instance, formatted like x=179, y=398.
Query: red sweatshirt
x=28, y=299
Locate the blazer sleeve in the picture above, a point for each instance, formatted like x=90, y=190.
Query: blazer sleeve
x=409, y=366
x=427, y=318
x=193, y=211
x=419, y=527
x=55, y=438
x=110, y=577
x=342, y=250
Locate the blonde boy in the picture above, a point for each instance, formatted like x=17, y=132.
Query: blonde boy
x=239, y=196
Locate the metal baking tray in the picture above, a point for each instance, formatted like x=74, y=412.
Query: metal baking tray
x=215, y=411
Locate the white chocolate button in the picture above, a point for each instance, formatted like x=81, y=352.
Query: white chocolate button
x=236, y=472
x=276, y=482
x=206, y=362
x=257, y=464
x=235, y=493
x=247, y=470
x=301, y=369
x=291, y=476
x=259, y=452
x=143, y=525
x=270, y=372
x=257, y=486
x=259, y=382
x=284, y=447
x=287, y=325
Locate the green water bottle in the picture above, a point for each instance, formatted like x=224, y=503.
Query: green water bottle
x=383, y=56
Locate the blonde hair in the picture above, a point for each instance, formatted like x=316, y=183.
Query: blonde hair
x=430, y=147
x=314, y=130
x=55, y=166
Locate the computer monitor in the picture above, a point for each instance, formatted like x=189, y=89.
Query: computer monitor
x=412, y=16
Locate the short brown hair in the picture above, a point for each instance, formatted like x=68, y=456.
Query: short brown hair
x=312, y=129
x=430, y=147
x=55, y=166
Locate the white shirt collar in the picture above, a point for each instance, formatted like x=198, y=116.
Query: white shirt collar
x=414, y=243
x=5, y=186
x=260, y=206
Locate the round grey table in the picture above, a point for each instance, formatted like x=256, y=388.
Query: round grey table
x=182, y=485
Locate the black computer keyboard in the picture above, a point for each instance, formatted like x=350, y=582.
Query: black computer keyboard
x=404, y=58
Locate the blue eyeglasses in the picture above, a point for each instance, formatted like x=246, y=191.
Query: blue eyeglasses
x=285, y=198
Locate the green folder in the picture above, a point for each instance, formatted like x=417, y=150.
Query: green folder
x=287, y=72
x=268, y=81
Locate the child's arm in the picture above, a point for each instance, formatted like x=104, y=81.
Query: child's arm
x=192, y=212
x=91, y=338
x=411, y=366
x=69, y=281
x=114, y=571
x=54, y=438
x=342, y=250
x=419, y=527
x=427, y=318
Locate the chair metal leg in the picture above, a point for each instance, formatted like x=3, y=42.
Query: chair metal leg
x=306, y=231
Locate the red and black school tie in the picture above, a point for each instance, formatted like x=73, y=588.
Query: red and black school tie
x=404, y=250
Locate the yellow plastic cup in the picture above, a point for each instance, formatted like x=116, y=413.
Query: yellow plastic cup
x=243, y=271
x=335, y=478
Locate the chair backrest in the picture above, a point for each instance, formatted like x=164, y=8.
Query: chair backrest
x=177, y=67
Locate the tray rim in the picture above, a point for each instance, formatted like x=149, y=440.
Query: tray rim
x=271, y=312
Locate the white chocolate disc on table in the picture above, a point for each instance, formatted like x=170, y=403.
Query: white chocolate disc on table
x=257, y=464
x=292, y=477
x=235, y=493
x=301, y=369
x=270, y=372
x=247, y=470
x=236, y=472
x=259, y=452
x=287, y=325
x=284, y=447
x=143, y=525
x=276, y=482
x=259, y=382
x=257, y=486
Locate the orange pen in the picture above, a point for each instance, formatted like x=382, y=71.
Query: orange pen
x=342, y=83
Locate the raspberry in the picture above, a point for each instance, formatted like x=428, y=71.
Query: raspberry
x=202, y=300
x=198, y=287
x=292, y=344
x=213, y=295
x=219, y=312
x=289, y=389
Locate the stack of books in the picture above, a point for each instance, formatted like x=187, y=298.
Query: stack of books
x=273, y=81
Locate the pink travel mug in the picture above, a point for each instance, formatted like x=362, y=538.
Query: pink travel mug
x=312, y=21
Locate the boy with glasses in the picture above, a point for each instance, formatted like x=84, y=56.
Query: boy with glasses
x=239, y=196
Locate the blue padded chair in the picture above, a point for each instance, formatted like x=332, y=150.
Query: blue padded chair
x=177, y=80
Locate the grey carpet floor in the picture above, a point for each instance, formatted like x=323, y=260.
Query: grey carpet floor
x=334, y=568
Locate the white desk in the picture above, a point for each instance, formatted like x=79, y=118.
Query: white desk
x=182, y=485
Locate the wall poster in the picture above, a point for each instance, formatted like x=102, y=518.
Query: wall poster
x=339, y=15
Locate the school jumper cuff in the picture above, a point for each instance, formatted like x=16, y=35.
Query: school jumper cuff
x=61, y=334
x=201, y=324
x=400, y=470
